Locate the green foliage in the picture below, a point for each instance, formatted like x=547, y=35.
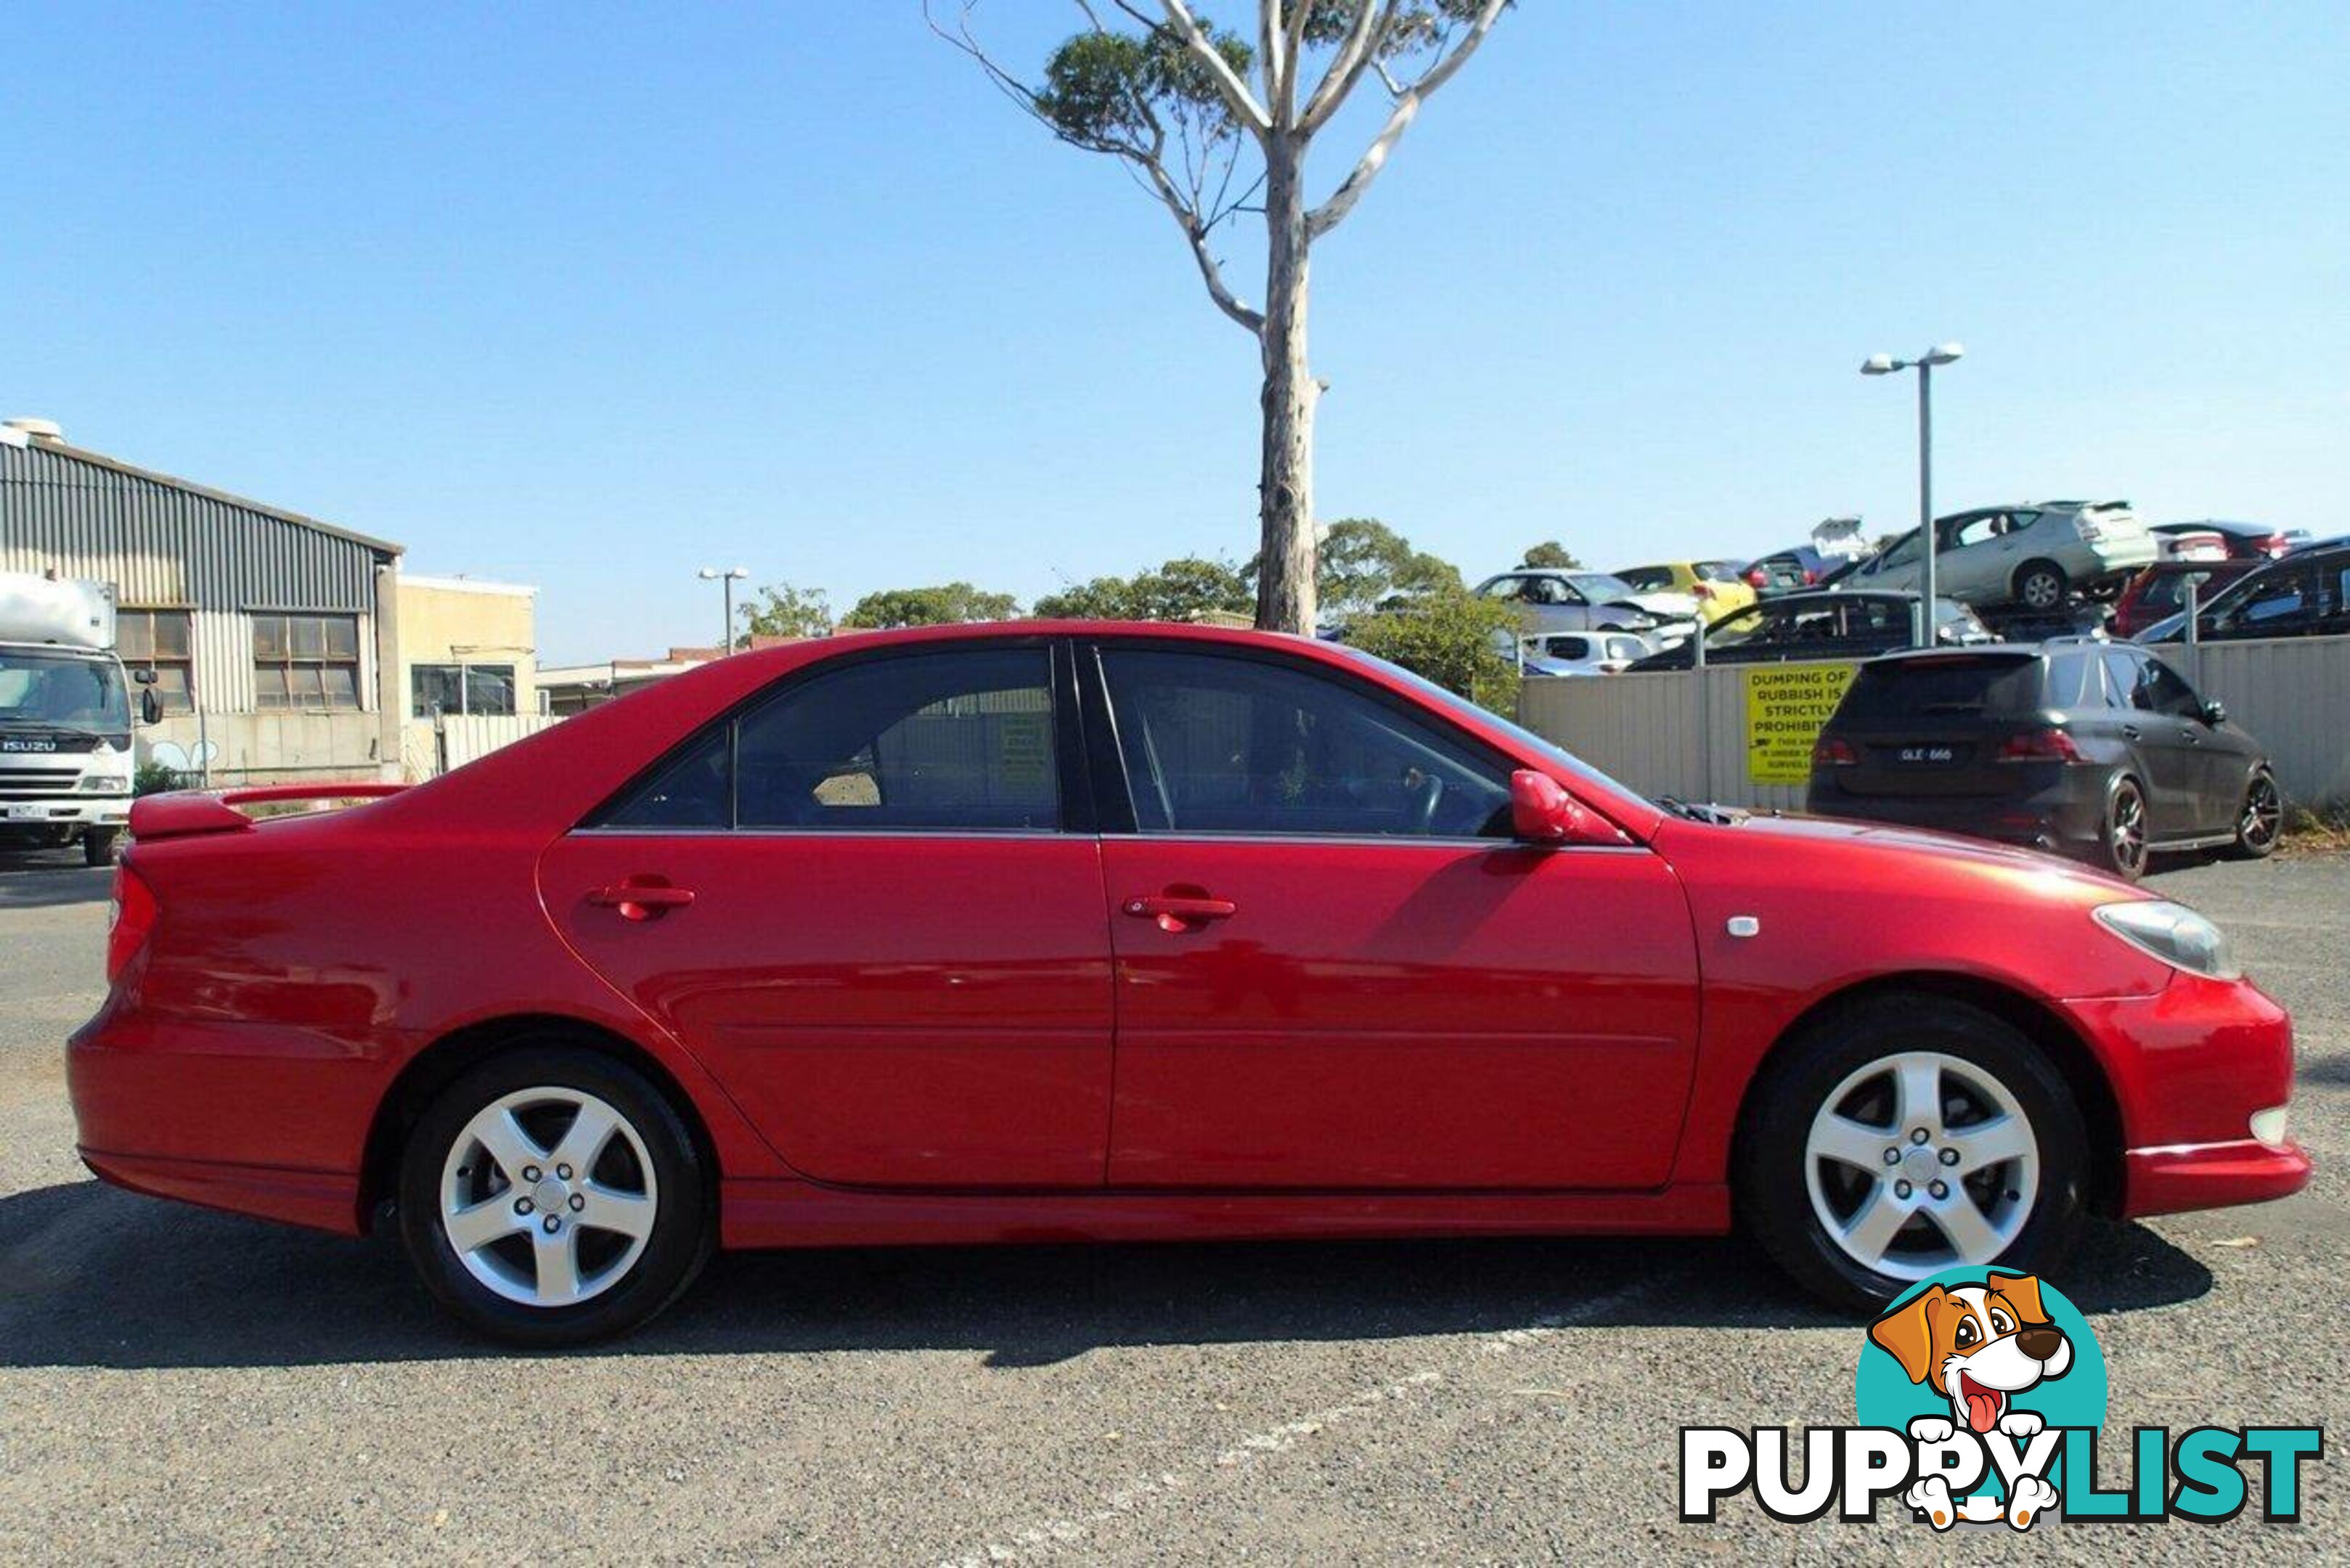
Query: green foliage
x=1106, y=89
x=1362, y=563
x=951, y=604
x=1183, y=590
x=1552, y=554
x=1452, y=638
x=783, y=610
x=154, y=778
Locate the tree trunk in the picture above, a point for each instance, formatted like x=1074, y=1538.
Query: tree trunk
x=1284, y=584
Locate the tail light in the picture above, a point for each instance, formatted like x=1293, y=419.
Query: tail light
x=129, y=920
x=2039, y=746
x=1828, y=751
x=1810, y=577
x=1758, y=578
x=1704, y=590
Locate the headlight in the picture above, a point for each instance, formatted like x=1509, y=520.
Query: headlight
x=2173, y=933
x=105, y=784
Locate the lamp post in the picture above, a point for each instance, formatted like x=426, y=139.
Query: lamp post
x=1886, y=365
x=726, y=581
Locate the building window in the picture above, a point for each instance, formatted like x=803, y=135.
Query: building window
x=460, y=689
x=160, y=641
x=307, y=661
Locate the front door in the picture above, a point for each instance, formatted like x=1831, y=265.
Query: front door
x=855, y=904
x=1336, y=970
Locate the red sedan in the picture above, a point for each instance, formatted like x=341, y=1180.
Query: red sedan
x=1123, y=932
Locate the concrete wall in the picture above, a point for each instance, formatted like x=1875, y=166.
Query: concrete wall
x=1683, y=732
x=270, y=748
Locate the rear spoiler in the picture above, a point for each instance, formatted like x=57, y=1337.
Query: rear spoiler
x=184, y=813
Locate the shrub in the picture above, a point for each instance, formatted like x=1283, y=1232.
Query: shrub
x=154, y=778
x=1450, y=638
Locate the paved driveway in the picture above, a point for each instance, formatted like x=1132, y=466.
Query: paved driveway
x=179, y=1385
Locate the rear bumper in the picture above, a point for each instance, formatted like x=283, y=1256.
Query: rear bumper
x=322, y=1200
x=2067, y=817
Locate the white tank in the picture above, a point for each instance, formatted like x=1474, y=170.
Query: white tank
x=70, y=611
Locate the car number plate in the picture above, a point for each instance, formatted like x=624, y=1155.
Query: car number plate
x=24, y=812
x=1929, y=755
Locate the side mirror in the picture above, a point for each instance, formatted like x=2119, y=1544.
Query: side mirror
x=151, y=707
x=143, y=677
x=1542, y=811
x=2215, y=713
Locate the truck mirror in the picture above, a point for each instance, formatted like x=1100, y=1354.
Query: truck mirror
x=144, y=677
x=151, y=706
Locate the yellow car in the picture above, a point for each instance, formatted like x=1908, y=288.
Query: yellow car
x=1714, y=586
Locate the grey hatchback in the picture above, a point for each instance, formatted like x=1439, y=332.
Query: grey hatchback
x=2096, y=750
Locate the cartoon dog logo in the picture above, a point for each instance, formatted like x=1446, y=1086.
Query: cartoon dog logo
x=1978, y=1346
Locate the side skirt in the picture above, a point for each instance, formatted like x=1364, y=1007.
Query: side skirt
x=761, y=1214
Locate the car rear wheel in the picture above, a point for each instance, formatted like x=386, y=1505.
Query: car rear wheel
x=2124, y=838
x=552, y=1196
x=1904, y=1136
x=2262, y=821
x=2040, y=585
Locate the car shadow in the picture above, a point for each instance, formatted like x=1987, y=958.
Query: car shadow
x=93, y=1277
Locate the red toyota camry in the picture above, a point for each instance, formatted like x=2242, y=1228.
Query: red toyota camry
x=1065, y=931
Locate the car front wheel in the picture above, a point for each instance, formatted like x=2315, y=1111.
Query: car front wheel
x=552, y=1196
x=1906, y=1134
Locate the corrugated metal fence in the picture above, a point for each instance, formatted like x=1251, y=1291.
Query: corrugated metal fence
x=1684, y=732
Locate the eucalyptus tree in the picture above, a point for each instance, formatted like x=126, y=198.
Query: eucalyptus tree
x=1215, y=124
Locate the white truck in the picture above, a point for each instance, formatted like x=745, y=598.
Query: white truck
x=66, y=717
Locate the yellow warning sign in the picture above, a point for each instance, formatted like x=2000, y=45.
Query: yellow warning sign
x=1787, y=704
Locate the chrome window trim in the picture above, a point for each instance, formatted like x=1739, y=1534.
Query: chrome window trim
x=1381, y=841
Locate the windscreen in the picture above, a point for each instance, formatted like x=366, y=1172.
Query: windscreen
x=58, y=691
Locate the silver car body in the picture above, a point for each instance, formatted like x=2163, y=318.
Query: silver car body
x=1989, y=555
x=1569, y=600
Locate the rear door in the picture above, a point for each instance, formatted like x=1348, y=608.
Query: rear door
x=1931, y=725
x=856, y=902
x=1336, y=970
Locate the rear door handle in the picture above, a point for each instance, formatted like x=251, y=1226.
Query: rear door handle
x=641, y=900
x=1179, y=912
x=2130, y=731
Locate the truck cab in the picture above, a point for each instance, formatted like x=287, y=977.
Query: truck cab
x=65, y=717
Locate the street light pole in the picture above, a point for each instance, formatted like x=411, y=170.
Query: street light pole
x=1886, y=365
x=726, y=581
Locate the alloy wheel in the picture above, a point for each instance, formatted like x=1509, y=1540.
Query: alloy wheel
x=1921, y=1161
x=2129, y=831
x=2263, y=814
x=2042, y=591
x=548, y=1197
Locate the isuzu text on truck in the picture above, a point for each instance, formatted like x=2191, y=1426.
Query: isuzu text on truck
x=65, y=717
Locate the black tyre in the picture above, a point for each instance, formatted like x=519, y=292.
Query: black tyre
x=98, y=846
x=553, y=1195
x=2259, y=821
x=1903, y=1134
x=2124, y=836
x=2040, y=586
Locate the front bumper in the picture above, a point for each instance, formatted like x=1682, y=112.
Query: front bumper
x=66, y=811
x=2191, y=1066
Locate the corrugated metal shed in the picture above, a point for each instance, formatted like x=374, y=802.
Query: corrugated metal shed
x=166, y=541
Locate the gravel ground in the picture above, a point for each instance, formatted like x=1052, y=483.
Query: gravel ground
x=176, y=1384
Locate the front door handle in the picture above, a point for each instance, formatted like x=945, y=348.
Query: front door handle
x=641, y=900
x=1182, y=911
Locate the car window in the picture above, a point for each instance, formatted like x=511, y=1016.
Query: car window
x=1743, y=626
x=1569, y=648
x=1626, y=648
x=2069, y=681
x=1903, y=551
x=1979, y=530
x=1220, y=745
x=1647, y=579
x=2278, y=597
x=2168, y=692
x=1504, y=588
x=945, y=740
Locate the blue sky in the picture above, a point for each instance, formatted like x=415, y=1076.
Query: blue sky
x=589, y=296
